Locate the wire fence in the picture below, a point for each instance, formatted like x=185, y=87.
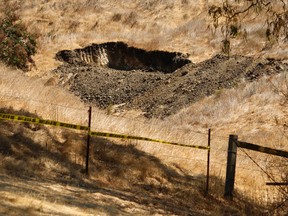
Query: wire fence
x=252, y=169
x=115, y=124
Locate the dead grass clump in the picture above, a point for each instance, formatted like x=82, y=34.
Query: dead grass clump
x=116, y=17
x=25, y=152
x=280, y=86
x=277, y=168
x=125, y=163
x=74, y=25
x=5, y=147
x=131, y=19
x=21, y=112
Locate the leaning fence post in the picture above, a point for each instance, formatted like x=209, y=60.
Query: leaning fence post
x=208, y=163
x=88, y=140
x=231, y=165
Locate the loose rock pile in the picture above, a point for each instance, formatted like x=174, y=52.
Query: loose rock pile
x=161, y=94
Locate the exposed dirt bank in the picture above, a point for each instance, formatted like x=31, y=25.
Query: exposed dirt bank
x=120, y=56
x=161, y=94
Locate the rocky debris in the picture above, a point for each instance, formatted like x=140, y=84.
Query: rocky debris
x=161, y=94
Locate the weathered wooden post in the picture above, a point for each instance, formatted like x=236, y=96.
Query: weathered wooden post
x=231, y=166
x=208, y=163
x=88, y=141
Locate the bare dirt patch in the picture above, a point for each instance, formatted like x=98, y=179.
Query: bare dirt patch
x=120, y=56
x=158, y=93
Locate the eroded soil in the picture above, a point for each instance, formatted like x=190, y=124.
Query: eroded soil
x=160, y=94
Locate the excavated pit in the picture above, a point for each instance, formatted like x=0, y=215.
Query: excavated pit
x=93, y=74
x=120, y=56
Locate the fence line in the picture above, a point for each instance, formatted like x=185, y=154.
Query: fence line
x=108, y=120
x=85, y=108
x=43, y=102
x=195, y=136
x=231, y=162
x=13, y=117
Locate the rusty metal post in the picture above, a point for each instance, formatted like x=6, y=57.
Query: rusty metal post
x=88, y=141
x=231, y=167
x=208, y=163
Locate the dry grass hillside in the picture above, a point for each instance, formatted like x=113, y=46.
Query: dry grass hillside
x=48, y=178
x=181, y=25
x=135, y=177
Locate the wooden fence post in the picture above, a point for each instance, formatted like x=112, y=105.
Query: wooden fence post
x=231, y=165
x=88, y=141
x=208, y=163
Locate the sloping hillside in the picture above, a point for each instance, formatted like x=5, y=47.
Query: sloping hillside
x=160, y=94
x=246, y=94
x=181, y=26
x=48, y=178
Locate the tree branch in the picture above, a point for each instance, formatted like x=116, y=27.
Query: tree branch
x=245, y=10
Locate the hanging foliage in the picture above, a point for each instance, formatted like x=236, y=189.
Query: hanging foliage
x=233, y=12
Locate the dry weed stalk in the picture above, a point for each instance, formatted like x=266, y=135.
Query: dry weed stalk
x=280, y=86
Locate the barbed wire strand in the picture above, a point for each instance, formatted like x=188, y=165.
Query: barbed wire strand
x=86, y=106
x=43, y=102
x=279, y=188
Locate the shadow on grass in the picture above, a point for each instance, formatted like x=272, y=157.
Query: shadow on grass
x=121, y=171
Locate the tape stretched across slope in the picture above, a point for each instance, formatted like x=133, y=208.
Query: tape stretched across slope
x=18, y=118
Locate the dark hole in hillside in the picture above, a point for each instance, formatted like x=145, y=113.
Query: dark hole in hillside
x=120, y=56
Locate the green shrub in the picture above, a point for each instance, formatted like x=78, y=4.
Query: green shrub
x=17, y=45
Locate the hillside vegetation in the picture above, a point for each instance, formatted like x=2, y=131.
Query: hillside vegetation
x=49, y=178
x=42, y=167
x=182, y=26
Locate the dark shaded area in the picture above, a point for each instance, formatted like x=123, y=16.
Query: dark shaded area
x=120, y=56
x=118, y=170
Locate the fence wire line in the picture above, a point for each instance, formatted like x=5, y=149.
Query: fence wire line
x=279, y=187
x=122, y=117
x=87, y=106
x=188, y=159
x=124, y=167
x=184, y=158
x=222, y=150
x=43, y=102
x=259, y=160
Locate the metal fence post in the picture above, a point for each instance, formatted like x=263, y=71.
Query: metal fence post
x=208, y=163
x=231, y=165
x=88, y=141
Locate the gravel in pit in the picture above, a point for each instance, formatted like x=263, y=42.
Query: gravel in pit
x=160, y=94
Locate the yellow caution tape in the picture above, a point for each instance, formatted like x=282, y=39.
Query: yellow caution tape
x=41, y=121
x=12, y=117
x=112, y=135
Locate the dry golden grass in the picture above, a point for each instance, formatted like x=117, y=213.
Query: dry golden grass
x=167, y=25
x=254, y=111
x=26, y=197
x=36, y=180
x=257, y=113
